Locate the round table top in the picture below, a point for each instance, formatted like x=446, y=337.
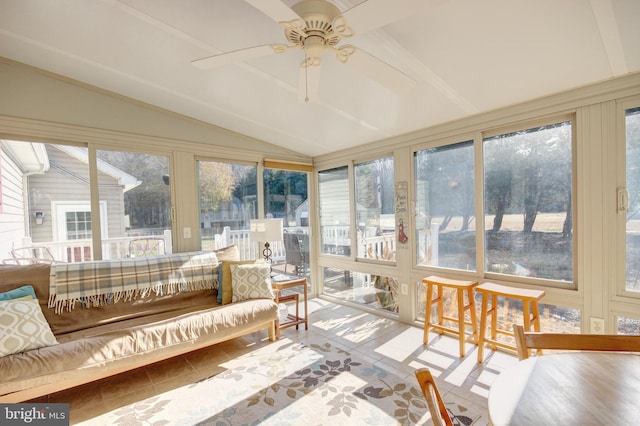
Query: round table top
x=576, y=388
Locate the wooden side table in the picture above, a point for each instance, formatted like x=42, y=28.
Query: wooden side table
x=278, y=287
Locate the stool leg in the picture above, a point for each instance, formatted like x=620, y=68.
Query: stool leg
x=472, y=313
x=526, y=314
x=440, y=308
x=461, y=337
x=427, y=313
x=494, y=319
x=297, y=310
x=536, y=316
x=483, y=325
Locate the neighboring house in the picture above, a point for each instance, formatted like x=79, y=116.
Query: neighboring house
x=17, y=161
x=46, y=189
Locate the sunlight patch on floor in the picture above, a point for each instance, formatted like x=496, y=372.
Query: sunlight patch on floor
x=462, y=371
x=402, y=346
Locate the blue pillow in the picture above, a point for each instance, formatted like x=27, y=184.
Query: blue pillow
x=220, y=283
x=19, y=292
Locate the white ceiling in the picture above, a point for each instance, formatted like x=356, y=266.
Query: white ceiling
x=466, y=56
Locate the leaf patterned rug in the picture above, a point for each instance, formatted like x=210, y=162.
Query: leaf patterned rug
x=295, y=385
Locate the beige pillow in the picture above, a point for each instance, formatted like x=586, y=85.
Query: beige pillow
x=23, y=327
x=227, y=287
x=228, y=253
x=251, y=281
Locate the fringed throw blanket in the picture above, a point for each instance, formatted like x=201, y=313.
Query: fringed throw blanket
x=109, y=281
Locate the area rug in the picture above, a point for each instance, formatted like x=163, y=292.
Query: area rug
x=294, y=385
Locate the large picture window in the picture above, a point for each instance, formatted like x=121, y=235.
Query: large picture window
x=375, y=209
x=228, y=202
x=285, y=197
x=528, y=202
x=445, y=202
x=335, y=213
x=632, y=125
x=139, y=206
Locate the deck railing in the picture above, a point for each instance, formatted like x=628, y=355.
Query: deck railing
x=333, y=236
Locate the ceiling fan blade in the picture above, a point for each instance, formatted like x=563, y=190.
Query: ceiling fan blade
x=380, y=71
x=373, y=14
x=274, y=9
x=233, y=57
x=308, y=83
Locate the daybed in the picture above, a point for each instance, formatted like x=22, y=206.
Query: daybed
x=99, y=336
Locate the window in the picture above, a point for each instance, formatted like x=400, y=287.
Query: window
x=335, y=211
x=629, y=326
x=72, y=230
x=445, y=204
x=228, y=201
x=632, y=125
x=285, y=196
x=135, y=188
x=375, y=209
x=528, y=202
x=374, y=291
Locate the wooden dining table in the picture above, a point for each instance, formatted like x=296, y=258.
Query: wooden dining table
x=574, y=388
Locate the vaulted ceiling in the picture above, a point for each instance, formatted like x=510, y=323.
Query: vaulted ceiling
x=462, y=56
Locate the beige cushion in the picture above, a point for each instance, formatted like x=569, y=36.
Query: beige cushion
x=251, y=282
x=227, y=287
x=227, y=253
x=23, y=327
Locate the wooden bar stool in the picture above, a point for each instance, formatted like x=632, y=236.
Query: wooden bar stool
x=460, y=287
x=530, y=313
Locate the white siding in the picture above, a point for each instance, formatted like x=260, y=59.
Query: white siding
x=12, y=227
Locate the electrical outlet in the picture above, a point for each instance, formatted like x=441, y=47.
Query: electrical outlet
x=404, y=289
x=597, y=325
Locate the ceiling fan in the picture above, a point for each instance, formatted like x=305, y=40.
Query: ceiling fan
x=317, y=26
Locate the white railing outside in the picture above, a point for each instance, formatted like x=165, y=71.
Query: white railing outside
x=382, y=247
x=247, y=248
x=82, y=250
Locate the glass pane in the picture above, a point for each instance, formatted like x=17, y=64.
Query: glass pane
x=629, y=326
x=134, y=190
x=633, y=186
x=527, y=201
x=43, y=188
x=335, y=216
x=228, y=202
x=370, y=290
x=375, y=209
x=285, y=196
x=445, y=205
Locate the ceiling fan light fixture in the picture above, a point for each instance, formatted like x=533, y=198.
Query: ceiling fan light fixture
x=314, y=45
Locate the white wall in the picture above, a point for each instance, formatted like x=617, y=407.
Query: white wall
x=39, y=107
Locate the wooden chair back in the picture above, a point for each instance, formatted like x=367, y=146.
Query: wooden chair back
x=526, y=340
x=439, y=414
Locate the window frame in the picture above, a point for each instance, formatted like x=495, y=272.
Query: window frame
x=477, y=139
x=354, y=212
x=620, y=288
x=525, y=125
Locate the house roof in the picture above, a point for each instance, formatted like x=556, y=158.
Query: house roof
x=125, y=179
x=31, y=158
x=466, y=57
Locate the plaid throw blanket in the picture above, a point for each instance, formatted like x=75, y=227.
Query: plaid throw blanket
x=109, y=281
